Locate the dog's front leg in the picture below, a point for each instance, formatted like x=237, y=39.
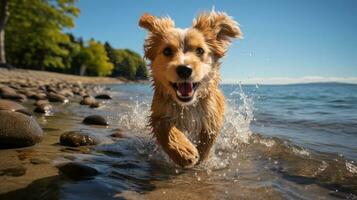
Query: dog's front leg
x=176, y=145
x=205, y=144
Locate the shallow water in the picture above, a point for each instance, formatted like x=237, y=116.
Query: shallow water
x=278, y=142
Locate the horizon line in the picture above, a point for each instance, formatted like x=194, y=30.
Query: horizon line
x=290, y=80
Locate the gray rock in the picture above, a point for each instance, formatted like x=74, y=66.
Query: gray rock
x=95, y=120
x=76, y=138
x=18, y=130
x=10, y=105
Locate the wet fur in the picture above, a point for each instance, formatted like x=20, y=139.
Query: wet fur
x=187, y=131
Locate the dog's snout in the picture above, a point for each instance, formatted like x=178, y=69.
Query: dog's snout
x=184, y=71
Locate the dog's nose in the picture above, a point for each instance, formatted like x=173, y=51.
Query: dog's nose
x=183, y=71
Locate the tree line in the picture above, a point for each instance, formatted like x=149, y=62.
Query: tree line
x=32, y=36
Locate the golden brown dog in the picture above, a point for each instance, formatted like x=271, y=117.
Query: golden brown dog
x=188, y=106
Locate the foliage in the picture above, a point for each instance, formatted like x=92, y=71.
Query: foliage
x=97, y=60
x=129, y=64
x=35, y=39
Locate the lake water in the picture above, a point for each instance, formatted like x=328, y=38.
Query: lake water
x=277, y=142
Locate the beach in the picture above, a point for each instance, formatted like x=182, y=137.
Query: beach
x=277, y=142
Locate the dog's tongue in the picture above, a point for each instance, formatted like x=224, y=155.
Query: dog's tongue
x=185, y=88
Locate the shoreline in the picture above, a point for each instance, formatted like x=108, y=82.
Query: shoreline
x=9, y=75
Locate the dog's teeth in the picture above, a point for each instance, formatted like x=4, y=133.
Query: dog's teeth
x=178, y=93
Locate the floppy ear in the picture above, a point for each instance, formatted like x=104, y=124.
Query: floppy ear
x=154, y=24
x=219, y=29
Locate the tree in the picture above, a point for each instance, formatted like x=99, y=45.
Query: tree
x=4, y=14
x=34, y=32
x=95, y=60
x=128, y=64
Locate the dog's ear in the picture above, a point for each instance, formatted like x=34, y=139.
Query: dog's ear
x=154, y=24
x=219, y=29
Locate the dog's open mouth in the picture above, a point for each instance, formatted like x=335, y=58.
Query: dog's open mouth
x=185, y=90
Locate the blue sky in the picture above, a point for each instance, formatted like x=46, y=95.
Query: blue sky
x=284, y=40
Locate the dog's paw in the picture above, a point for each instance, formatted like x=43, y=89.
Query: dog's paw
x=185, y=155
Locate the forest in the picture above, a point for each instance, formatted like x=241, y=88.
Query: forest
x=35, y=34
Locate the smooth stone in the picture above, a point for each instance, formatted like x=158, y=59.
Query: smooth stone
x=95, y=120
x=56, y=97
x=39, y=96
x=25, y=112
x=10, y=105
x=18, y=130
x=13, y=171
x=39, y=102
x=44, y=108
x=14, y=96
x=103, y=96
x=95, y=105
x=66, y=93
x=37, y=161
x=88, y=100
x=76, y=138
x=7, y=90
x=77, y=171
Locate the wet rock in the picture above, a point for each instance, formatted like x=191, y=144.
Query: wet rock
x=88, y=100
x=13, y=171
x=10, y=105
x=39, y=102
x=76, y=138
x=95, y=105
x=18, y=130
x=118, y=133
x=14, y=96
x=77, y=171
x=38, y=161
x=25, y=112
x=66, y=93
x=6, y=90
x=53, y=97
x=44, y=108
x=95, y=120
x=103, y=96
x=39, y=96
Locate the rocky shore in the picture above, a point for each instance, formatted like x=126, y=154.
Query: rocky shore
x=26, y=98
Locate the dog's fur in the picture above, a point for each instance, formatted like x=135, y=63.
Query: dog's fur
x=186, y=130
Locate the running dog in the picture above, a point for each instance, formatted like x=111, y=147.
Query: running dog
x=187, y=107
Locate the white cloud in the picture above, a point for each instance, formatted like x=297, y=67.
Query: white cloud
x=290, y=80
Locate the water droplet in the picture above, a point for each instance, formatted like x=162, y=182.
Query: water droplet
x=199, y=178
x=220, y=153
x=275, y=162
x=177, y=171
x=234, y=155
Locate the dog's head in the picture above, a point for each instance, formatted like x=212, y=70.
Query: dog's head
x=184, y=61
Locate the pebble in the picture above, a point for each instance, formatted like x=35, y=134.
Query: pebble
x=77, y=171
x=95, y=120
x=76, y=138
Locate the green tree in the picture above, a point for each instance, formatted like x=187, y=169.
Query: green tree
x=34, y=37
x=129, y=65
x=95, y=60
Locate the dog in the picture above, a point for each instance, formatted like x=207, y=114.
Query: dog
x=187, y=107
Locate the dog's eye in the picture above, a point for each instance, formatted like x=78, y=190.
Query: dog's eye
x=200, y=51
x=168, y=51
